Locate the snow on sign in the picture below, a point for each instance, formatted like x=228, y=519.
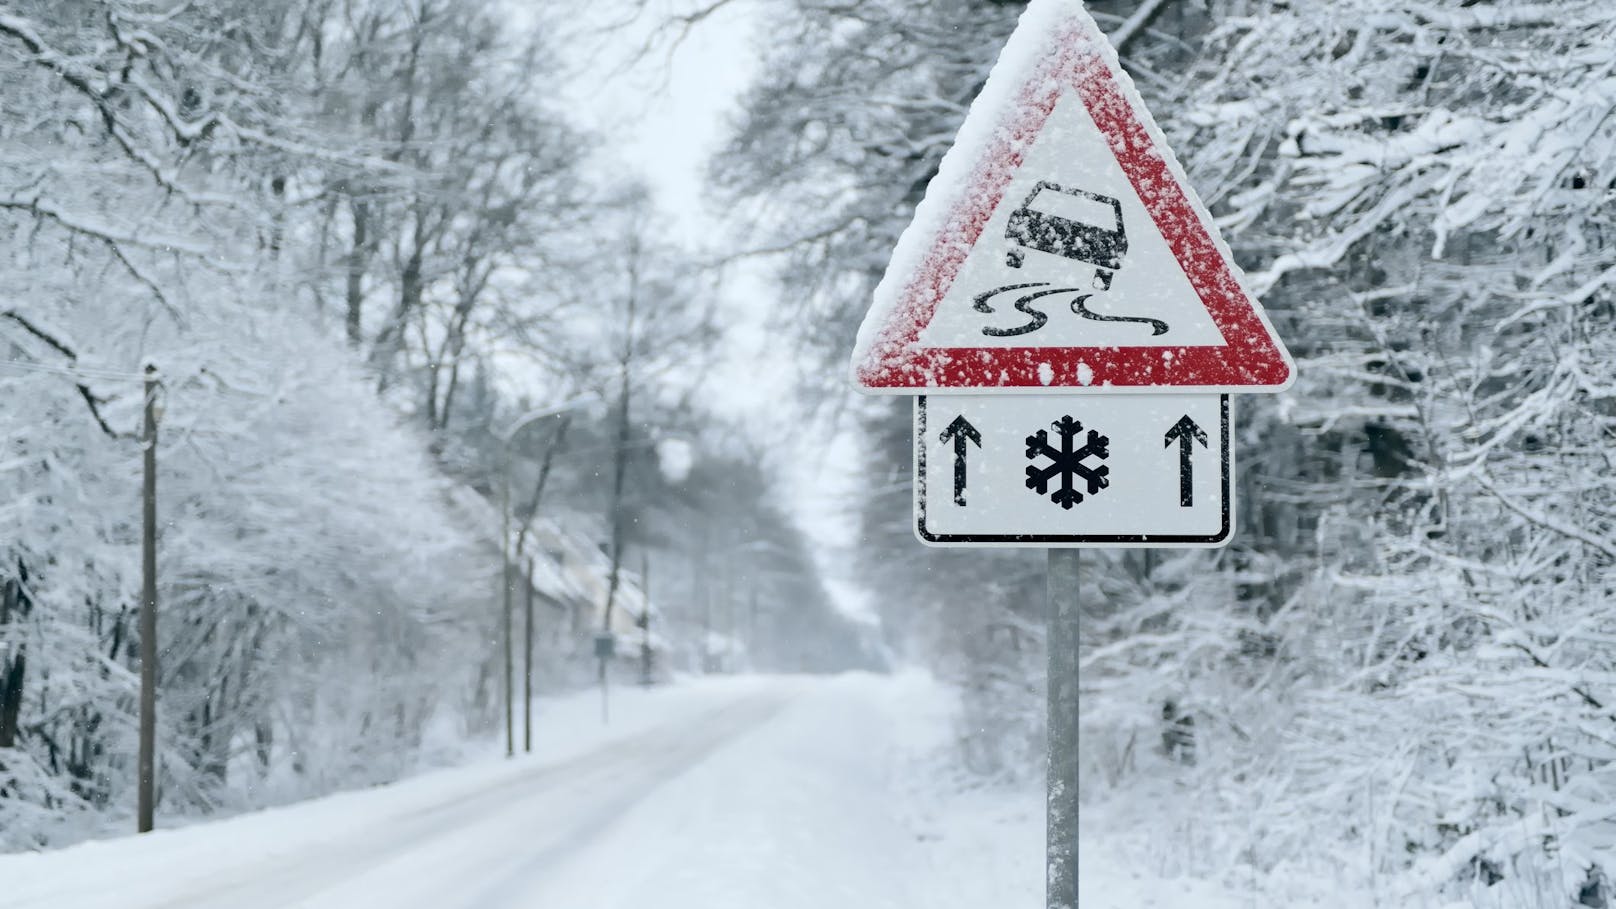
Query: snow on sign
x=1073, y=470
x=1060, y=246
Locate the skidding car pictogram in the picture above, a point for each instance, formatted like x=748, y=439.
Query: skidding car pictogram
x=1099, y=245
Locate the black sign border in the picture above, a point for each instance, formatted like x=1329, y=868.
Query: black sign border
x=1143, y=541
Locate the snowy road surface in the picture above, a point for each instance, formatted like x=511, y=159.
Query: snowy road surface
x=735, y=801
x=755, y=793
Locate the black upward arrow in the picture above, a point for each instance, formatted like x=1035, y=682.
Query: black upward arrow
x=962, y=432
x=1186, y=432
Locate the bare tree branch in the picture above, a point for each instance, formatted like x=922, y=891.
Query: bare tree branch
x=90, y=400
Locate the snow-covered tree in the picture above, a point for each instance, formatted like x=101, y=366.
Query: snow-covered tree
x=305, y=535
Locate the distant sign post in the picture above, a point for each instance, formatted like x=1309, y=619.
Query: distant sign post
x=1072, y=326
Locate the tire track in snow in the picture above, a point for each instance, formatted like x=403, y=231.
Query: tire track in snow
x=466, y=852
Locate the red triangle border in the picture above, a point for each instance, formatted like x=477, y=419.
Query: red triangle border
x=1250, y=358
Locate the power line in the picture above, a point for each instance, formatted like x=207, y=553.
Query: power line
x=70, y=371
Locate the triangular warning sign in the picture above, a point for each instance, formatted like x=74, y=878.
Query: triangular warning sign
x=1060, y=246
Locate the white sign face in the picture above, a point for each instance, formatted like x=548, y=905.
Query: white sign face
x=1073, y=470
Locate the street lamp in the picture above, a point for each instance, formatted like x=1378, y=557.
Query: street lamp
x=505, y=438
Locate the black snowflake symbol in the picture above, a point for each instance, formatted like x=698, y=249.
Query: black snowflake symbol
x=1067, y=463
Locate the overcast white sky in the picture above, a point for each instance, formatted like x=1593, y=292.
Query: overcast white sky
x=663, y=114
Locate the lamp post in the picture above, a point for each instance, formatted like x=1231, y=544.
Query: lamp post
x=505, y=592
x=527, y=660
x=517, y=425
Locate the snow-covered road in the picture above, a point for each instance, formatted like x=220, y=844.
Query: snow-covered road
x=766, y=793
x=762, y=793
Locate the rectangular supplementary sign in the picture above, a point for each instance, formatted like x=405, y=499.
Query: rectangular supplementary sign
x=1073, y=470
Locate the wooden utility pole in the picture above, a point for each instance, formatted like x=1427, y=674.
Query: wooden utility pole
x=732, y=632
x=147, y=760
x=645, y=619
x=604, y=649
x=505, y=603
x=527, y=661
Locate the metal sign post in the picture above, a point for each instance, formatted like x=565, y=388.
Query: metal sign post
x=1060, y=643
